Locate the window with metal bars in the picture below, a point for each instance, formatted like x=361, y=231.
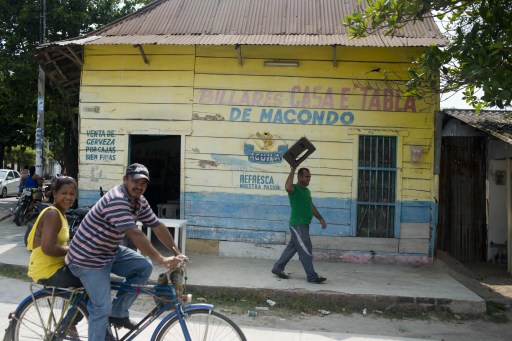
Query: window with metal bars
x=376, y=188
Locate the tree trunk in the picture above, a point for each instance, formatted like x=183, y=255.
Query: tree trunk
x=71, y=141
x=2, y=155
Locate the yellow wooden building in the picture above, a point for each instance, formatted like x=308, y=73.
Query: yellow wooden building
x=210, y=94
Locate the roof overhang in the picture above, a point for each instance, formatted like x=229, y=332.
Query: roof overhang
x=495, y=123
x=263, y=39
x=63, y=65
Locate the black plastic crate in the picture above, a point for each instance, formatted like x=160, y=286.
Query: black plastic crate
x=299, y=152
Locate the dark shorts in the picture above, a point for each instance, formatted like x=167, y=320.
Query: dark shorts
x=63, y=278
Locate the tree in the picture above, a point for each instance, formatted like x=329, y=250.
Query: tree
x=16, y=117
x=19, y=37
x=21, y=155
x=477, y=57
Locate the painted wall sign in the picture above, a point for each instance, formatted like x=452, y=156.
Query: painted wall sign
x=313, y=97
x=264, y=148
x=100, y=145
x=290, y=115
x=252, y=181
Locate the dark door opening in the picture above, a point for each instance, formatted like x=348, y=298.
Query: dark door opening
x=162, y=156
x=462, y=214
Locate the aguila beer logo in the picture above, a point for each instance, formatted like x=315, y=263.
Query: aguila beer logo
x=265, y=148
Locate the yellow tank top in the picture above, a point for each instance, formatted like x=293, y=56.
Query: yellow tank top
x=42, y=266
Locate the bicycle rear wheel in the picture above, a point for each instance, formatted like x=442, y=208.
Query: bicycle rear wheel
x=40, y=318
x=202, y=325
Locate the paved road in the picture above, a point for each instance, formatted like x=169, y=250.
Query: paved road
x=5, y=205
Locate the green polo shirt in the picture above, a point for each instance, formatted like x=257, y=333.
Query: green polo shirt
x=302, y=206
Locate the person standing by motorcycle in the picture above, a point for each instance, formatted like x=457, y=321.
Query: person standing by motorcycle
x=33, y=180
x=49, y=237
x=24, y=174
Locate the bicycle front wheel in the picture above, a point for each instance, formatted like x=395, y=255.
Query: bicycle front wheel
x=19, y=211
x=41, y=318
x=202, y=325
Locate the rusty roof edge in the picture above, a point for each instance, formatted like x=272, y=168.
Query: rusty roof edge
x=469, y=117
x=265, y=39
x=82, y=40
x=484, y=114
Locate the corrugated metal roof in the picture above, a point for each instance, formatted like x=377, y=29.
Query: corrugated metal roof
x=269, y=22
x=227, y=22
x=496, y=123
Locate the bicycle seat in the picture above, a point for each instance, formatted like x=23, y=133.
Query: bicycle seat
x=44, y=281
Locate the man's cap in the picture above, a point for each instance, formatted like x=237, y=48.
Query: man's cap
x=137, y=171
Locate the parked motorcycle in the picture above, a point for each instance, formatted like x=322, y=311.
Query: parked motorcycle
x=23, y=212
x=75, y=217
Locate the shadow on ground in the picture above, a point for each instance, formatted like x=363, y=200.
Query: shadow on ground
x=490, y=281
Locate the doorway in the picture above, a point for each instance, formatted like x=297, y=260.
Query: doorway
x=462, y=229
x=161, y=154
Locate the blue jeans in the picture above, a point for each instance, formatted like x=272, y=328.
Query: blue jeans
x=126, y=263
x=300, y=242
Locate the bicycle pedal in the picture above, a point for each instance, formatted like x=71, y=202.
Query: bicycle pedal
x=122, y=322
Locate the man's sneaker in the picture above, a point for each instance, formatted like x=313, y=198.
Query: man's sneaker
x=280, y=274
x=73, y=333
x=318, y=280
x=123, y=322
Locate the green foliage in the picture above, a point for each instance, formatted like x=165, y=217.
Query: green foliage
x=16, y=81
x=20, y=35
x=21, y=155
x=477, y=57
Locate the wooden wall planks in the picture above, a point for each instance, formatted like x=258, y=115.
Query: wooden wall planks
x=219, y=107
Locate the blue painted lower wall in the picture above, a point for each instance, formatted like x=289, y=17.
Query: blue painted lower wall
x=88, y=198
x=257, y=218
x=264, y=219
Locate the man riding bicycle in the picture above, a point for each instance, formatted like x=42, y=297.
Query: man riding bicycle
x=95, y=251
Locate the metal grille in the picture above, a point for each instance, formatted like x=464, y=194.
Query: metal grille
x=376, y=192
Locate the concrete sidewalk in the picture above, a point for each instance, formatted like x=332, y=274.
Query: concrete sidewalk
x=372, y=286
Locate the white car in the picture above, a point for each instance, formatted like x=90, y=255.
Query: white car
x=9, y=182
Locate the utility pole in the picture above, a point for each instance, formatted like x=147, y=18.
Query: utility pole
x=40, y=95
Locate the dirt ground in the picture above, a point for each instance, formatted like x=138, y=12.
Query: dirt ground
x=373, y=324
x=491, y=327
x=492, y=283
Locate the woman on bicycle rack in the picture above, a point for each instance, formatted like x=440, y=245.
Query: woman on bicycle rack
x=96, y=251
x=49, y=237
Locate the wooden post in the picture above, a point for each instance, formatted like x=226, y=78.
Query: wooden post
x=509, y=214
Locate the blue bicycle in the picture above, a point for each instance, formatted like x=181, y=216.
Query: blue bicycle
x=52, y=314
